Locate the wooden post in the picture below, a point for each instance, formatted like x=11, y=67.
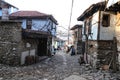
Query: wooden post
x=114, y=63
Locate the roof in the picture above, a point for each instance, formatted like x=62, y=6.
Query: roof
x=114, y=7
x=91, y=10
x=2, y=1
x=76, y=26
x=31, y=14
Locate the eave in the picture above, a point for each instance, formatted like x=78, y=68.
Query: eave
x=114, y=8
x=34, y=34
x=75, y=27
x=34, y=17
x=91, y=10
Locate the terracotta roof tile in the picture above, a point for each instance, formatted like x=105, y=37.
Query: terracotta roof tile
x=31, y=14
x=28, y=14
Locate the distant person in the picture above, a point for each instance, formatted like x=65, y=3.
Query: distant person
x=72, y=50
x=58, y=48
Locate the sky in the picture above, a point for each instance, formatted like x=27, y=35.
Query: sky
x=60, y=9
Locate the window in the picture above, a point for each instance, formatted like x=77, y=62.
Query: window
x=89, y=26
x=84, y=27
x=106, y=20
x=29, y=24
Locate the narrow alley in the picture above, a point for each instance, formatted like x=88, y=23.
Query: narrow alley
x=61, y=66
x=42, y=40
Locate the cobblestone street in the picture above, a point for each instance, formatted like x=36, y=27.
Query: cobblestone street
x=57, y=67
x=61, y=66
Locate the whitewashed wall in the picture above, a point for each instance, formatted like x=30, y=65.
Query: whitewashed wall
x=38, y=24
x=94, y=28
x=10, y=10
x=26, y=53
x=107, y=33
x=24, y=23
x=117, y=30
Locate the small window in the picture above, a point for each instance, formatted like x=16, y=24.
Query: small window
x=106, y=20
x=89, y=26
x=29, y=24
x=85, y=27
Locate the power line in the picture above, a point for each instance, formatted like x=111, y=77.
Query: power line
x=70, y=19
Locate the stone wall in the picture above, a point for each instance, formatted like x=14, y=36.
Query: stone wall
x=10, y=38
x=100, y=53
x=105, y=52
x=92, y=46
x=92, y=53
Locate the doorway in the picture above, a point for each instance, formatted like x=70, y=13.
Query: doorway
x=42, y=47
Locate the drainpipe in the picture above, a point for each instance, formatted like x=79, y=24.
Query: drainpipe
x=5, y=13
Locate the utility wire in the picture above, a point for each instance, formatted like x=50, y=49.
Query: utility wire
x=70, y=19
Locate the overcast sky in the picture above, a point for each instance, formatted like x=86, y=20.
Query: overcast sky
x=60, y=9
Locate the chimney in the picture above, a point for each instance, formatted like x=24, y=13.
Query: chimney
x=5, y=13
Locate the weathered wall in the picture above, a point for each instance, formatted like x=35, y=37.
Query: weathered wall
x=92, y=52
x=117, y=30
x=77, y=40
x=100, y=53
x=41, y=24
x=28, y=47
x=94, y=28
x=107, y=33
x=14, y=49
x=105, y=52
x=10, y=38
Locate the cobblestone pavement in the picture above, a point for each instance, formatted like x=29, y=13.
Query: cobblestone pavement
x=61, y=66
x=57, y=67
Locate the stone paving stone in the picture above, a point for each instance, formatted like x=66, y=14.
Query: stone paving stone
x=59, y=67
x=75, y=77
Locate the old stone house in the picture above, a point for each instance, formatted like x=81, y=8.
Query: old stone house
x=77, y=38
x=99, y=35
x=26, y=35
x=39, y=27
